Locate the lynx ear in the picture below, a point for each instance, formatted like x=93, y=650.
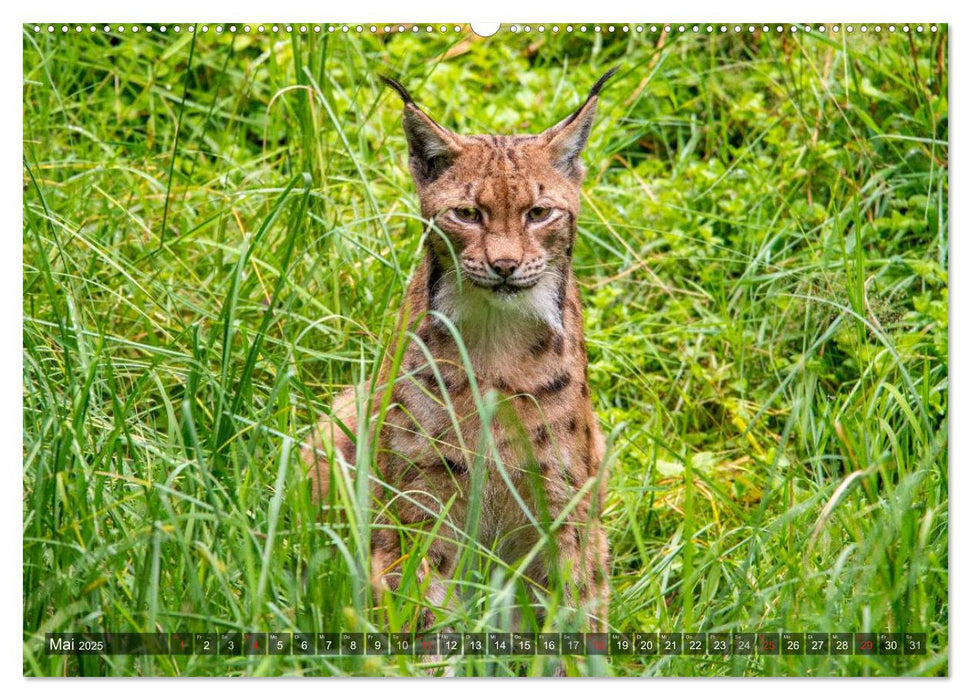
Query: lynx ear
x=566, y=140
x=431, y=147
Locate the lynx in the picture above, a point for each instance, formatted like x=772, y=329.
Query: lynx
x=494, y=311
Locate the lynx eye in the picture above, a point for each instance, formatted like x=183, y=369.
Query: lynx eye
x=538, y=213
x=468, y=214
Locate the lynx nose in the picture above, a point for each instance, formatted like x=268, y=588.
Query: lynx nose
x=504, y=266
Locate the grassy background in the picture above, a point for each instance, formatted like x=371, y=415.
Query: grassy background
x=218, y=231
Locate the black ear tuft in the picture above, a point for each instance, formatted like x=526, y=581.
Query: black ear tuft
x=595, y=90
x=397, y=87
x=567, y=139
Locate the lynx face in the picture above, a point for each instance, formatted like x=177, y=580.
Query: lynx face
x=504, y=210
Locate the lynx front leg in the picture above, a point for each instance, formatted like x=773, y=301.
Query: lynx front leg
x=582, y=561
x=415, y=523
x=599, y=592
x=388, y=566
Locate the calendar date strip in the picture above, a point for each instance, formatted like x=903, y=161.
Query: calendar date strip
x=489, y=644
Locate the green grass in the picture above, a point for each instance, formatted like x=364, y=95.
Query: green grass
x=218, y=232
